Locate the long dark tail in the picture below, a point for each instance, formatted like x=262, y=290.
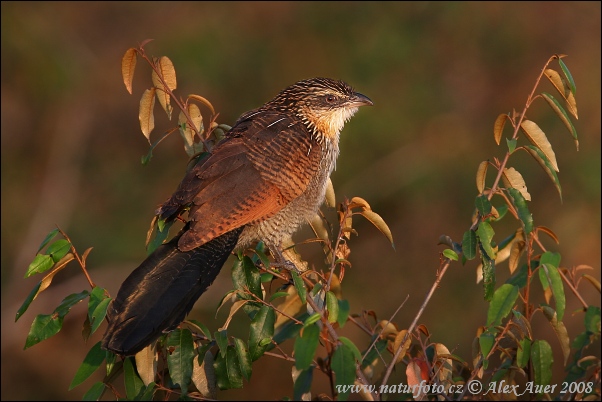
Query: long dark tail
x=159, y=293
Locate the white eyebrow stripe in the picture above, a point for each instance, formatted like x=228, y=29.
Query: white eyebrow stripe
x=277, y=121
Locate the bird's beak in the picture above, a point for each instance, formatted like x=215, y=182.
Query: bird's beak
x=357, y=100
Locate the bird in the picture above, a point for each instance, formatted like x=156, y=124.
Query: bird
x=261, y=182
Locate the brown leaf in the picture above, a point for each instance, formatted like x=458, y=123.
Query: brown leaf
x=128, y=65
x=416, y=372
x=443, y=363
x=516, y=251
x=563, y=89
x=203, y=376
x=481, y=176
x=498, y=127
x=343, y=251
x=145, y=114
x=549, y=232
x=379, y=223
x=188, y=134
x=291, y=305
x=539, y=139
x=167, y=70
x=406, y=345
x=62, y=263
x=203, y=101
x=512, y=178
x=146, y=363
x=563, y=116
x=359, y=202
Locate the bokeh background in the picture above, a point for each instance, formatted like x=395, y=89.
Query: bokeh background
x=438, y=73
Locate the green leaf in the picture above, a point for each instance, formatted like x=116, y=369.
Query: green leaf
x=28, y=301
x=315, y=317
x=48, y=237
x=300, y=286
x=375, y=352
x=262, y=327
x=549, y=274
x=592, y=320
x=203, y=328
x=344, y=310
x=352, y=347
x=568, y=76
x=306, y=346
x=243, y=358
x=40, y=263
x=545, y=164
x=488, y=276
x=95, y=392
x=43, y=327
x=523, y=353
x=58, y=249
x=469, y=244
x=70, y=301
x=332, y=305
x=221, y=337
x=289, y=330
x=343, y=365
x=485, y=234
x=91, y=363
x=180, y=360
x=303, y=383
x=246, y=277
x=451, y=254
x=149, y=391
x=97, y=307
x=483, y=205
x=523, y=211
x=277, y=295
x=227, y=370
x=133, y=384
x=511, y=145
x=501, y=304
x=519, y=277
x=486, y=342
x=161, y=233
x=541, y=359
x=560, y=330
x=563, y=115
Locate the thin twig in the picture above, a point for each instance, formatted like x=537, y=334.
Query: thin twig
x=427, y=299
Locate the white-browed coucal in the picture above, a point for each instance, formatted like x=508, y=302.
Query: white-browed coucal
x=261, y=182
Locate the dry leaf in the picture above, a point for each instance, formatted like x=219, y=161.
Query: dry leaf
x=146, y=363
x=563, y=89
x=379, y=223
x=481, y=175
x=128, y=65
x=512, y=178
x=203, y=376
x=539, y=139
x=406, y=345
x=498, y=127
x=145, y=114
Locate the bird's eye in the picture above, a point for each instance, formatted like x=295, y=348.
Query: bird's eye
x=331, y=98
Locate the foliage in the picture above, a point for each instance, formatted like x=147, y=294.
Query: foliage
x=306, y=308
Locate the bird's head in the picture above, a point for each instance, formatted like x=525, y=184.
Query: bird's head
x=323, y=104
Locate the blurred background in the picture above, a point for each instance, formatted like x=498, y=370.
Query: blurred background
x=438, y=73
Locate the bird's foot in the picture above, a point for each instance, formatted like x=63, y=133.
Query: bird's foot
x=283, y=262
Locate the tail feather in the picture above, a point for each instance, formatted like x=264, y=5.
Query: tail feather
x=159, y=293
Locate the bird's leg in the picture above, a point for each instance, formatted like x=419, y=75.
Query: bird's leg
x=282, y=261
